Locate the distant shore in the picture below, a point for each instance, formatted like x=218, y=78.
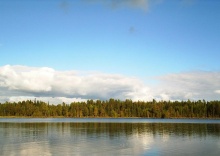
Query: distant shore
x=113, y=108
x=11, y=117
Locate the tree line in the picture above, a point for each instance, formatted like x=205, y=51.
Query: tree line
x=113, y=108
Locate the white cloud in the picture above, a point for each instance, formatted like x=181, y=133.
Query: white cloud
x=189, y=85
x=23, y=78
x=21, y=82
x=217, y=91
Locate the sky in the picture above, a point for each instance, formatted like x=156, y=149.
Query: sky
x=65, y=51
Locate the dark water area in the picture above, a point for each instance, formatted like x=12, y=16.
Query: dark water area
x=66, y=136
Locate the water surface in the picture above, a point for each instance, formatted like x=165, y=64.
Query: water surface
x=67, y=136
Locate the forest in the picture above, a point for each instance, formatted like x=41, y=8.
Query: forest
x=113, y=108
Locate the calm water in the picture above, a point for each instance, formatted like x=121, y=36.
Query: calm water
x=67, y=136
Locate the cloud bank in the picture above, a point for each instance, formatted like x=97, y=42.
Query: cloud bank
x=22, y=82
x=190, y=85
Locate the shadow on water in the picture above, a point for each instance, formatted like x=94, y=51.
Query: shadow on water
x=115, y=129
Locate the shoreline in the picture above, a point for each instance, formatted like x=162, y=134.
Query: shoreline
x=30, y=117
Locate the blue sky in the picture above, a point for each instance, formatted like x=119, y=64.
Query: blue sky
x=131, y=38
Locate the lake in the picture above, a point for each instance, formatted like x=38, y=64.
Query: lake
x=109, y=136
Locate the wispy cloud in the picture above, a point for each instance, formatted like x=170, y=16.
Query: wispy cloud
x=143, y=5
x=188, y=2
x=135, y=4
x=64, y=5
x=114, y=4
x=132, y=30
x=47, y=84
